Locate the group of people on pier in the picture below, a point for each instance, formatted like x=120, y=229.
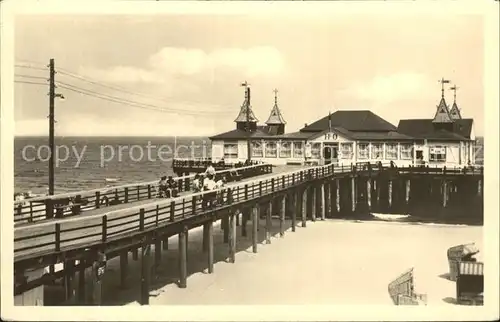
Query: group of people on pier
x=167, y=188
x=207, y=181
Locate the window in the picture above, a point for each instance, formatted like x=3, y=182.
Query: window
x=346, y=152
x=298, y=150
x=257, y=151
x=437, y=154
x=285, y=150
x=391, y=151
x=271, y=150
x=406, y=151
x=315, y=150
x=377, y=151
x=362, y=151
x=230, y=150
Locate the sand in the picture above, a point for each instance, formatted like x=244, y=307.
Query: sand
x=332, y=262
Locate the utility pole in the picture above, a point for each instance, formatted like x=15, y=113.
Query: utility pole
x=52, y=96
x=247, y=105
x=52, y=121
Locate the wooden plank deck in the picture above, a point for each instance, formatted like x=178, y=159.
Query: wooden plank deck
x=121, y=219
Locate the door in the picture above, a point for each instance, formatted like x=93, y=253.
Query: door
x=330, y=154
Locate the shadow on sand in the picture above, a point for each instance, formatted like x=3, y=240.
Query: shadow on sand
x=167, y=272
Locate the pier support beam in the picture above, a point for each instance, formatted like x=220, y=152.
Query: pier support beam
x=135, y=254
x=407, y=191
x=323, y=201
x=269, y=222
x=225, y=228
x=479, y=187
x=157, y=254
x=283, y=209
x=337, y=199
x=183, y=240
x=353, y=194
x=210, y=246
x=445, y=193
x=314, y=208
x=244, y=220
x=82, y=294
x=377, y=188
x=205, y=236
x=69, y=277
x=123, y=269
x=304, y=207
x=390, y=193
x=165, y=243
x=369, y=193
x=295, y=208
x=145, y=272
x=255, y=224
x=232, y=236
x=98, y=269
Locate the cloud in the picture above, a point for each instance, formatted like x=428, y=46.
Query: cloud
x=170, y=63
x=391, y=88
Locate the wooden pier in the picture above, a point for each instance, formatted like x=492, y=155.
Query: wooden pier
x=86, y=242
x=118, y=197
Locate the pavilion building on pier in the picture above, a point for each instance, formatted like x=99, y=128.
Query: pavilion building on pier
x=347, y=137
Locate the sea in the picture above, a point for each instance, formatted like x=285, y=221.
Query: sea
x=83, y=163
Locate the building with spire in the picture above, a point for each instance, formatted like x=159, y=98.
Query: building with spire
x=351, y=136
x=276, y=123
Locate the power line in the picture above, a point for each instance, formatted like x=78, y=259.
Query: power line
x=30, y=76
x=30, y=67
x=115, y=99
x=32, y=83
x=65, y=72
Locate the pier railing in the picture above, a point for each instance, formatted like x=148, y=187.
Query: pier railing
x=86, y=231
x=74, y=203
x=178, y=164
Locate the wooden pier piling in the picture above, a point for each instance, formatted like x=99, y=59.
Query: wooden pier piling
x=323, y=201
x=295, y=208
x=304, y=208
x=232, y=236
x=314, y=205
x=210, y=246
x=145, y=272
x=123, y=268
x=282, y=215
x=255, y=224
x=269, y=222
x=353, y=194
x=183, y=240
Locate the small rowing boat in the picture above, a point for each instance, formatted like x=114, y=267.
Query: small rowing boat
x=389, y=217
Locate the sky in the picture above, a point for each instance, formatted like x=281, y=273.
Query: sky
x=191, y=67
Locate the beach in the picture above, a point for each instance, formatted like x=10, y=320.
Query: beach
x=332, y=262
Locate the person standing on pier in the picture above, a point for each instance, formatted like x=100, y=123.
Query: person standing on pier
x=210, y=170
x=162, y=187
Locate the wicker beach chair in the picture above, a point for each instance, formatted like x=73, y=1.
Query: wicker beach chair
x=460, y=253
x=470, y=283
x=402, y=290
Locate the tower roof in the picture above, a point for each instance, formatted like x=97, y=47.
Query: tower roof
x=275, y=117
x=455, y=112
x=242, y=117
x=442, y=113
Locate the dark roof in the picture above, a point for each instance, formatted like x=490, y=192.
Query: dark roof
x=362, y=120
x=392, y=135
x=295, y=136
x=240, y=134
x=426, y=129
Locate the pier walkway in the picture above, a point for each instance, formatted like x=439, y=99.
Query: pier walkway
x=98, y=201
x=298, y=195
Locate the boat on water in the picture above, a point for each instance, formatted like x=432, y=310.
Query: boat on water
x=111, y=179
x=390, y=217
